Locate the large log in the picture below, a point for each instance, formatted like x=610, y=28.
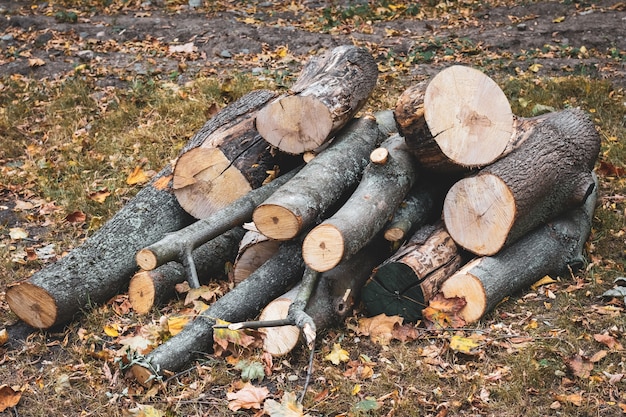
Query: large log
x=548, y=250
x=384, y=185
x=102, y=266
x=148, y=289
x=330, y=90
x=547, y=174
x=320, y=184
x=404, y=283
x=243, y=302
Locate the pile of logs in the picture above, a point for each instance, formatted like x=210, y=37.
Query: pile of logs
x=449, y=193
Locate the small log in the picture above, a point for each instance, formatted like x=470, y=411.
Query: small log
x=337, y=292
x=148, y=289
x=172, y=246
x=413, y=212
x=377, y=196
x=548, y=250
x=320, y=184
x=546, y=175
x=330, y=90
x=405, y=282
x=241, y=303
x=254, y=249
x=101, y=267
x=459, y=120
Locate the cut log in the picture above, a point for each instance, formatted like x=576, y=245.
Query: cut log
x=354, y=225
x=337, y=292
x=548, y=250
x=320, y=184
x=102, y=266
x=243, y=302
x=254, y=249
x=459, y=120
x=226, y=158
x=149, y=289
x=547, y=174
x=405, y=282
x=414, y=211
x=330, y=90
x=172, y=246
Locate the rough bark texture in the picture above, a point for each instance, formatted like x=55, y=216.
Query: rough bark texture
x=254, y=249
x=102, y=266
x=243, y=302
x=405, y=282
x=149, y=289
x=547, y=174
x=414, y=211
x=330, y=90
x=320, y=184
x=381, y=190
x=547, y=250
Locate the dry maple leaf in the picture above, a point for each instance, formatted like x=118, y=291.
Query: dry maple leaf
x=226, y=340
x=287, y=407
x=247, y=397
x=580, y=365
x=443, y=312
x=337, y=355
x=8, y=397
x=138, y=176
x=608, y=340
x=379, y=328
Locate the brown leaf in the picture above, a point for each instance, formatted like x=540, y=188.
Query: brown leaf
x=76, y=217
x=248, y=397
x=576, y=399
x=580, y=365
x=226, y=340
x=405, y=332
x=138, y=176
x=8, y=397
x=99, y=196
x=36, y=62
x=443, y=312
x=379, y=328
x=608, y=340
x=162, y=183
x=609, y=170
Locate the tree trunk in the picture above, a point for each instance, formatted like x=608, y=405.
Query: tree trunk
x=405, y=282
x=170, y=247
x=337, y=292
x=243, y=302
x=227, y=158
x=330, y=90
x=254, y=250
x=102, y=266
x=377, y=196
x=547, y=174
x=461, y=119
x=320, y=184
x=148, y=289
x=549, y=249
x=413, y=212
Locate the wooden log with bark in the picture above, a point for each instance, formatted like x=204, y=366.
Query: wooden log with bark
x=548, y=250
x=254, y=249
x=385, y=183
x=404, y=283
x=412, y=213
x=243, y=302
x=320, y=184
x=102, y=266
x=547, y=174
x=331, y=89
x=149, y=289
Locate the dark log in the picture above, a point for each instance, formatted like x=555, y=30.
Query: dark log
x=243, y=302
x=149, y=289
x=354, y=225
x=414, y=211
x=320, y=184
x=551, y=249
x=405, y=282
x=330, y=90
x=546, y=175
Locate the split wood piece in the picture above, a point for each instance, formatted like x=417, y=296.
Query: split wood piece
x=254, y=249
x=149, y=289
x=228, y=159
x=405, y=282
x=241, y=303
x=413, y=212
x=320, y=184
x=354, y=225
x=459, y=120
x=174, y=245
x=329, y=91
x=546, y=175
x=337, y=292
x=548, y=250
x=102, y=266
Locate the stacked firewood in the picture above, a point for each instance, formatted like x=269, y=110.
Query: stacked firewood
x=449, y=193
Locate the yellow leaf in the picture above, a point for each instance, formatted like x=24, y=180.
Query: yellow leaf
x=138, y=176
x=36, y=62
x=17, y=233
x=145, y=411
x=99, y=196
x=356, y=389
x=379, y=328
x=287, y=407
x=467, y=345
x=282, y=51
x=337, y=355
x=112, y=330
x=535, y=67
x=559, y=19
x=523, y=102
x=176, y=323
x=543, y=281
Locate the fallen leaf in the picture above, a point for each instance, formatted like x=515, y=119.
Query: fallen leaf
x=145, y=411
x=608, y=340
x=405, y=332
x=99, y=196
x=248, y=397
x=176, y=323
x=467, y=345
x=576, y=399
x=208, y=293
x=287, y=407
x=379, y=328
x=251, y=370
x=580, y=365
x=17, y=233
x=138, y=176
x=4, y=336
x=443, y=312
x=111, y=330
x=162, y=183
x=543, y=281
x=138, y=343
x=36, y=62
x=559, y=19
x=8, y=397
x=76, y=217
x=535, y=67
x=598, y=356
x=337, y=355
x=226, y=340
x=186, y=48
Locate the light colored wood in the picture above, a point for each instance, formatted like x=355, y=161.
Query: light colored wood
x=254, y=250
x=323, y=247
x=146, y=259
x=280, y=340
x=379, y=156
x=277, y=221
x=141, y=292
x=33, y=304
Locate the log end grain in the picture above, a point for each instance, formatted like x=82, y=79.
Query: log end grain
x=252, y=258
x=143, y=375
x=276, y=222
x=379, y=156
x=295, y=124
x=141, y=292
x=323, y=248
x=468, y=286
x=279, y=340
x=479, y=212
x=394, y=234
x=146, y=259
x=34, y=305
